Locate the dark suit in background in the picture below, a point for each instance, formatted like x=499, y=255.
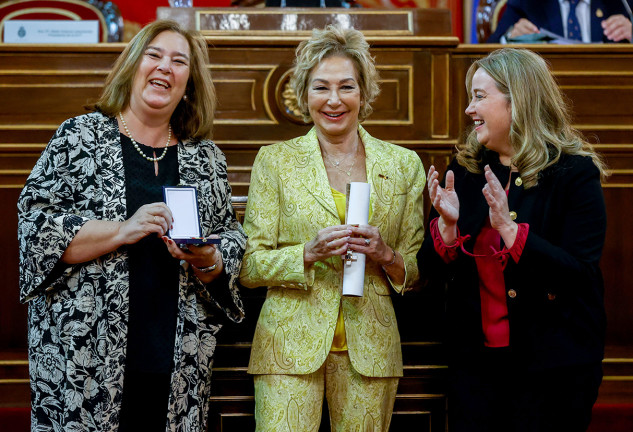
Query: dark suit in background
x=546, y=14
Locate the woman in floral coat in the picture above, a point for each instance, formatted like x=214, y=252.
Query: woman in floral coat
x=122, y=321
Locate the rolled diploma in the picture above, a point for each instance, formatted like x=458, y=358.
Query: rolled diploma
x=357, y=213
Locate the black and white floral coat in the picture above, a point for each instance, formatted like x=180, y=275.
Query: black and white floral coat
x=78, y=314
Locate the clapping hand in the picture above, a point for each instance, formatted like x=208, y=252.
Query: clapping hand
x=446, y=203
x=499, y=213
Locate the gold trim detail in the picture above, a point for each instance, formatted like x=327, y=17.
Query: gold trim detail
x=14, y=381
x=495, y=15
x=51, y=86
x=14, y=362
x=287, y=99
x=618, y=378
x=47, y=72
x=408, y=15
x=618, y=360
x=73, y=16
x=617, y=185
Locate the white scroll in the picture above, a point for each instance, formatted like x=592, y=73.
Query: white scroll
x=357, y=214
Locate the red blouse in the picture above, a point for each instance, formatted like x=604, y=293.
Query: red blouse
x=491, y=260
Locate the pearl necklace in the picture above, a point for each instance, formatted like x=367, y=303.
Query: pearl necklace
x=138, y=148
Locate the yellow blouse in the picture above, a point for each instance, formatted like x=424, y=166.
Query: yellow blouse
x=340, y=342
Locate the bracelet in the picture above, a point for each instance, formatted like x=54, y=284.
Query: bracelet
x=393, y=260
x=206, y=269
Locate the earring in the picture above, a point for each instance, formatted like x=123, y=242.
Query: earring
x=184, y=97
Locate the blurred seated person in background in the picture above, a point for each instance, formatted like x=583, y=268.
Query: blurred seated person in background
x=587, y=21
x=311, y=341
x=122, y=321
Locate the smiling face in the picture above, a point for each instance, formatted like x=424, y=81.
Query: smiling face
x=334, y=97
x=491, y=111
x=161, y=78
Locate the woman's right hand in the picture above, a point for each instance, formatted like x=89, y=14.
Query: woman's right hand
x=150, y=218
x=446, y=202
x=98, y=237
x=328, y=242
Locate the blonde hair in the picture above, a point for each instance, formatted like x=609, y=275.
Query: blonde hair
x=330, y=42
x=541, y=123
x=193, y=117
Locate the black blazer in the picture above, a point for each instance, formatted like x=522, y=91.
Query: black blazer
x=546, y=14
x=557, y=317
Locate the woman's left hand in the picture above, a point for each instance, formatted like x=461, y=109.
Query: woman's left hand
x=499, y=213
x=366, y=239
x=199, y=256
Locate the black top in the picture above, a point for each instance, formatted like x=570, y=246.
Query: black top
x=153, y=271
x=547, y=14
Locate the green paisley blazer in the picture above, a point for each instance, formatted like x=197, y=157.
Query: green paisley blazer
x=289, y=201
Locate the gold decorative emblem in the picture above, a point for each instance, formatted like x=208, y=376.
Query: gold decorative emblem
x=599, y=13
x=518, y=181
x=287, y=99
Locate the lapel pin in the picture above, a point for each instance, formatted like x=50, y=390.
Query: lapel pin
x=599, y=13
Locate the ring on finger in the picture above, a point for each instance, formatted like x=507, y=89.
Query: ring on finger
x=155, y=219
x=367, y=242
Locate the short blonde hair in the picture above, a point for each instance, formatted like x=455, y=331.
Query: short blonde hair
x=193, y=117
x=330, y=42
x=541, y=123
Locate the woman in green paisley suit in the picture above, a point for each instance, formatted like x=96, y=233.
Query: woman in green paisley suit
x=310, y=340
x=122, y=322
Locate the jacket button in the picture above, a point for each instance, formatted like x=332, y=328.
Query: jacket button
x=551, y=296
x=512, y=293
x=513, y=215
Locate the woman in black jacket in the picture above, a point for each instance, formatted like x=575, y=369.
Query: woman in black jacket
x=516, y=233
